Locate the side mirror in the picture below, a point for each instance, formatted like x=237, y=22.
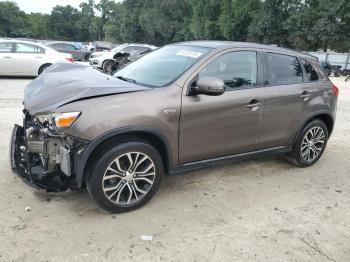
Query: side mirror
x=209, y=85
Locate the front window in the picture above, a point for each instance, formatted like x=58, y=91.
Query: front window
x=236, y=69
x=162, y=66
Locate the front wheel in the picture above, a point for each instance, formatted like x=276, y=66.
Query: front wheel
x=109, y=66
x=310, y=144
x=126, y=176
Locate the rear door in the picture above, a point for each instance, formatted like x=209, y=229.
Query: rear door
x=284, y=100
x=6, y=58
x=27, y=59
x=216, y=126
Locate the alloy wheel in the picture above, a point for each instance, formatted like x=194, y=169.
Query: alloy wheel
x=129, y=178
x=313, y=143
x=109, y=66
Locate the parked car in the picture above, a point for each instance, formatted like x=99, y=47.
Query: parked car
x=106, y=62
x=78, y=54
x=94, y=47
x=327, y=67
x=181, y=107
x=26, y=58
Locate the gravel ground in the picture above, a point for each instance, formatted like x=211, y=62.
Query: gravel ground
x=257, y=210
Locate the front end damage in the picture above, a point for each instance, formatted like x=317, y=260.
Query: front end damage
x=44, y=158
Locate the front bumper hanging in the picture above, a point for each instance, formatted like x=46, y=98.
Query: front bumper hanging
x=46, y=164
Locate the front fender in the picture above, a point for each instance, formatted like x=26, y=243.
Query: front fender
x=82, y=160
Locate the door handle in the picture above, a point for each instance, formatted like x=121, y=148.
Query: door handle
x=253, y=104
x=305, y=95
x=7, y=57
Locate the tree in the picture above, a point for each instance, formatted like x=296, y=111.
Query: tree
x=62, y=22
x=13, y=21
x=267, y=25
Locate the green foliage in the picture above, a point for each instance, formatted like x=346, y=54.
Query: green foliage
x=13, y=21
x=299, y=24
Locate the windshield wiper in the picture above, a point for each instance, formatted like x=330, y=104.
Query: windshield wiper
x=127, y=79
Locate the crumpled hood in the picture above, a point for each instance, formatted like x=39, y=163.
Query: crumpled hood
x=66, y=82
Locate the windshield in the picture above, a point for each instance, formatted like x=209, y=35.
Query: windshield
x=162, y=66
x=118, y=48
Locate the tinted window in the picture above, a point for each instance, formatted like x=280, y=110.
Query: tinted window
x=5, y=47
x=310, y=71
x=69, y=47
x=142, y=50
x=284, y=70
x=30, y=49
x=237, y=69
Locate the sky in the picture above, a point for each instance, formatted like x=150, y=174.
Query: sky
x=44, y=6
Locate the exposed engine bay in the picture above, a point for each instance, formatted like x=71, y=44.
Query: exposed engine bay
x=43, y=157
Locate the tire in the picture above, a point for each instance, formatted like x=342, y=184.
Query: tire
x=299, y=155
x=337, y=74
x=108, y=66
x=43, y=68
x=114, y=189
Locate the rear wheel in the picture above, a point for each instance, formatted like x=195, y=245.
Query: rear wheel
x=125, y=176
x=310, y=144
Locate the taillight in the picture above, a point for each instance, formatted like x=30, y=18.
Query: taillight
x=335, y=90
x=70, y=59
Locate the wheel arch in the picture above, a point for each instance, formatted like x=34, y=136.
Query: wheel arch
x=42, y=66
x=325, y=116
x=155, y=138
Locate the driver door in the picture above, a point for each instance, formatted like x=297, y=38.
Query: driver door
x=216, y=126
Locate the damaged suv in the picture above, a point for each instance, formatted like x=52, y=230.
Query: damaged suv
x=181, y=107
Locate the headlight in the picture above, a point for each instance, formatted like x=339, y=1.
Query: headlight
x=58, y=120
x=65, y=119
x=94, y=56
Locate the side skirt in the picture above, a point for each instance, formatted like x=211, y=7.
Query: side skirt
x=227, y=159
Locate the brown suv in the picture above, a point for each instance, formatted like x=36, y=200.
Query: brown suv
x=183, y=106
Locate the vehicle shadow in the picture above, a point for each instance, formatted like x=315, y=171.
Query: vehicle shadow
x=174, y=186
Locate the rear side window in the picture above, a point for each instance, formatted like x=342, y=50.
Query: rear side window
x=6, y=47
x=284, y=69
x=29, y=49
x=310, y=71
x=236, y=69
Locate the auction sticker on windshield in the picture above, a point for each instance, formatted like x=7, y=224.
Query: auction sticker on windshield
x=188, y=53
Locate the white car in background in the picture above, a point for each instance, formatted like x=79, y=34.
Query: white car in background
x=24, y=58
x=104, y=60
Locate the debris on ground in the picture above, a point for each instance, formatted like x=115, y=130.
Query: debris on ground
x=146, y=237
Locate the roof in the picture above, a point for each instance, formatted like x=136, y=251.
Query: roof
x=231, y=44
x=23, y=42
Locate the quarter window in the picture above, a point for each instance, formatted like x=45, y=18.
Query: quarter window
x=310, y=71
x=29, y=49
x=284, y=69
x=236, y=69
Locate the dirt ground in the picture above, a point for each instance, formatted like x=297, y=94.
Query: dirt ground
x=258, y=210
